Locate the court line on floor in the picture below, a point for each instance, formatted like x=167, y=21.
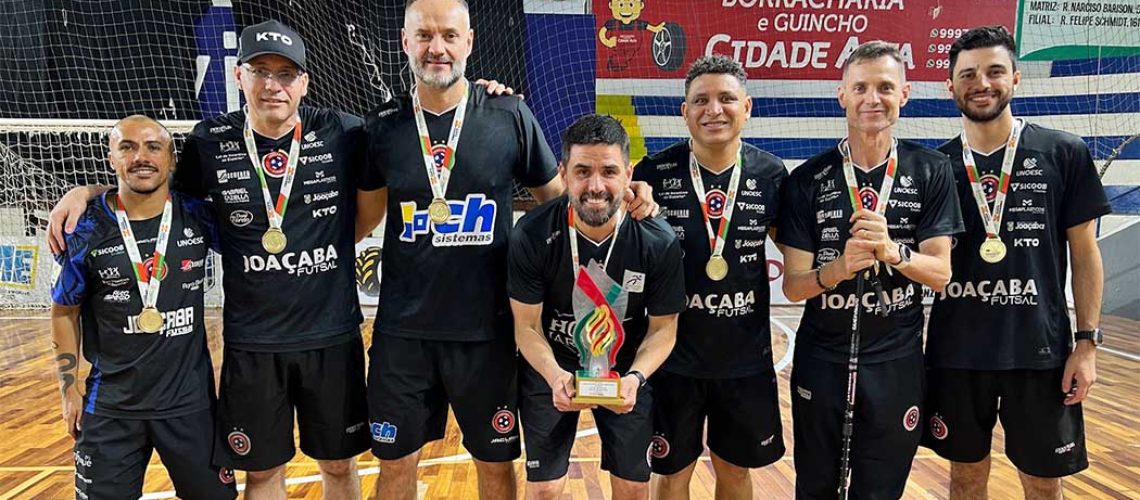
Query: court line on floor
x=12, y=493
x=790, y=334
x=1123, y=354
x=45, y=471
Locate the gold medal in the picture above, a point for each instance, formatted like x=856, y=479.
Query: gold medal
x=150, y=320
x=439, y=211
x=992, y=250
x=717, y=268
x=273, y=241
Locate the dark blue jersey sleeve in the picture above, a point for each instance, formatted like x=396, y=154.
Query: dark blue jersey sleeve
x=70, y=284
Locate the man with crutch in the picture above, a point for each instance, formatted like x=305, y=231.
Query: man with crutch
x=863, y=226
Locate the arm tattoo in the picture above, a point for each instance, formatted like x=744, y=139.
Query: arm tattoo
x=67, y=363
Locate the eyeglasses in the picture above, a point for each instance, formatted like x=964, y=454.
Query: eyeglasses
x=284, y=77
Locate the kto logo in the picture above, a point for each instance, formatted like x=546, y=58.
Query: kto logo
x=472, y=222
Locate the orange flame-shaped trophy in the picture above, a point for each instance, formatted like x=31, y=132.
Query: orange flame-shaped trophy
x=599, y=304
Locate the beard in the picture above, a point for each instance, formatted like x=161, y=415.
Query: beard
x=595, y=217
x=434, y=79
x=981, y=116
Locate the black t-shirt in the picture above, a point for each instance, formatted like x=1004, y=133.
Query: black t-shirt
x=136, y=374
x=1013, y=314
x=304, y=297
x=814, y=214
x=447, y=281
x=646, y=262
x=634, y=26
x=724, y=332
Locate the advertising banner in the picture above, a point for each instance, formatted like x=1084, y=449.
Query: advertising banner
x=782, y=39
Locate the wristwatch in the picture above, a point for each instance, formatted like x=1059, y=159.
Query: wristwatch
x=904, y=257
x=640, y=378
x=1095, y=335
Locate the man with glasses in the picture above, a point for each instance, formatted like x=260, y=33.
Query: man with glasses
x=291, y=314
x=280, y=177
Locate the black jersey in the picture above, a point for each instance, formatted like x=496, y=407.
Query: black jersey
x=304, y=297
x=447, y=281
x=646, y=262
x=814, y=217
x=725, y=330
x=1013, y=314
x=136, y=374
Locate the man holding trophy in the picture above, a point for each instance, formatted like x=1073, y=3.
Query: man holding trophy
x=595, y=297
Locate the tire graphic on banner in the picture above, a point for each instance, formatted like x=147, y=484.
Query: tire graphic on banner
x=368, y=272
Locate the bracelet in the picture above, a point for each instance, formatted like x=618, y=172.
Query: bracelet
x=640, y=378
x=819, y=280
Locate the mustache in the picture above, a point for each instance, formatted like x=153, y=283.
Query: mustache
x=141, y=165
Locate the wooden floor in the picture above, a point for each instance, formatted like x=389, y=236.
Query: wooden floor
x=35, y=452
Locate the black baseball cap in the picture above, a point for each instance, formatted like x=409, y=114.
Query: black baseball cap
x=271, y=37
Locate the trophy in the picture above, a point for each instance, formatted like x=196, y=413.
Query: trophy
x=599, y=305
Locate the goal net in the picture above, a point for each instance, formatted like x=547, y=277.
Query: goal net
x=71, y=68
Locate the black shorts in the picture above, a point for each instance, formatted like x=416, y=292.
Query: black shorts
x=111, y=456
x=1043, y=437
x=260, y=391
x=550, y=434
x=887, y=425
x=743, y=415
x=411, y=382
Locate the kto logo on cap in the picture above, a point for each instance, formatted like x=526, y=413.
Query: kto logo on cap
x=265, y=36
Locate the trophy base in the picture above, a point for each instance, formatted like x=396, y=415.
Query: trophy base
x=597, y=390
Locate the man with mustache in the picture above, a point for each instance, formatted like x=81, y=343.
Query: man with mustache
x=151, y=386
x=551, y=247
x=873, y=204
x=281, y=177
x=443, y=161
x=721, y=196
x=1000, y=343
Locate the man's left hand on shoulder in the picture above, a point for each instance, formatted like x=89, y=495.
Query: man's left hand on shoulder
x=640, y=199
x=495, y=88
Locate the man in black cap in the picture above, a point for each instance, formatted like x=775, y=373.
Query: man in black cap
x=280, y=177
x=129, y=295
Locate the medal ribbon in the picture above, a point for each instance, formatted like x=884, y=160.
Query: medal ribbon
x=853, y=184
x=439, y=178
x=717, y=239
x=992, y=220
x=275, y=213
x=148, y=287
x=570, y=217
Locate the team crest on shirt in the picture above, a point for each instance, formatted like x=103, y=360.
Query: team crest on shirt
x=910, y=419
x=503, y=421
x=869, y=198
x=716, y=201
x=239, y=442
x=659, y=447
x=989, y=186
x=439, y=156
x=275, y=163
x=938, y=428
x=149, y=266
x=472, y=222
